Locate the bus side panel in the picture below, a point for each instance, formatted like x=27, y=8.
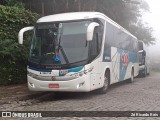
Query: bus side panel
x=96, y=76
x=115, y=65
x=128, y=60
x=120, y=63
x=111, y=60
x=118, y=39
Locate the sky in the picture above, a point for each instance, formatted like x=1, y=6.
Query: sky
x=153, y=20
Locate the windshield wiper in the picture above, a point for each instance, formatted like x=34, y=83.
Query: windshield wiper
x=62, y=50
x=64, y=54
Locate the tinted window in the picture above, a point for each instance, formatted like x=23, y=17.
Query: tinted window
x=118, y=38
x=64, y=40
x=109, y=34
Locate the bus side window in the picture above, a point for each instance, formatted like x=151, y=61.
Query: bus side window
x=99, y=38
x=109, y=35
x=99, y=34
x=95, y=44
x=93, y=48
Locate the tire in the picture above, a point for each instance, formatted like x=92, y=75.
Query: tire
x=132, y=76
x=144, y=74
x=105, y=87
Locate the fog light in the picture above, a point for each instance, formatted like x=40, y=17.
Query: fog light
x=81, y=74
x=80, y=84
x=31, y=84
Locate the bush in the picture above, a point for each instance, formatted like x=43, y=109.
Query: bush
x=13, y=57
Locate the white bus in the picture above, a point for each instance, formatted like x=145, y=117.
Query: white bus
x=80, y=52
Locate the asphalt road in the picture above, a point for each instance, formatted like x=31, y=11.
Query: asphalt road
x=141, y=95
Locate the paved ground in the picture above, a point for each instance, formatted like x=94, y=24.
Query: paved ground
x=9, y=91
x=141, y=95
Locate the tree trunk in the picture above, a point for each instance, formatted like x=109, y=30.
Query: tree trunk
x=42, y=8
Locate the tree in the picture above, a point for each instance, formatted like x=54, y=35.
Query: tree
x=13, y=57
x=127, y=13
x=11, y=3
x=143, y=32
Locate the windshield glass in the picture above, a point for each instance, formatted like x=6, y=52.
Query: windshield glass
x=60, y=43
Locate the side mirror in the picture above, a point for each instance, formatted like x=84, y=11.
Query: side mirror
x=143, y=52
x=140, y=51
x=21, y=32
x=90, y=30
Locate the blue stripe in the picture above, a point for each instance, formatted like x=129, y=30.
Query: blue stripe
x=40, y=70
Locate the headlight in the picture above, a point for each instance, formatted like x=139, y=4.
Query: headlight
x=32, y=74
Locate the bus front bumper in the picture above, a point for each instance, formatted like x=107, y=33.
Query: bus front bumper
x=81, y=84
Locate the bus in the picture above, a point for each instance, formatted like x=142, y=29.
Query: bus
x=79, y=52
x=144, y=60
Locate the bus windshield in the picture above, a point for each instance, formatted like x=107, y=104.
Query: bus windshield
x=59, y=43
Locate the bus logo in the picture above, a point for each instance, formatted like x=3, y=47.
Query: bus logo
x=125, y=60
x=53, y=78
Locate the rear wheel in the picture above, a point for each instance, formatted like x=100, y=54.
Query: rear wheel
x=132, y=76
x=105, y=87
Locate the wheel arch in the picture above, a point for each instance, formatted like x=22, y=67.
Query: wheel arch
x=133, y=68
x=107, y=71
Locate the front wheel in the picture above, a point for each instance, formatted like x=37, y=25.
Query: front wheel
x=144, y=74
x=105, y=87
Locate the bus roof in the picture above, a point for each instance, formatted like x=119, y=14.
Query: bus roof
x=68, y=16
x=80, y=16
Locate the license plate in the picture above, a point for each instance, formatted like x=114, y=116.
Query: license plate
x=53, y=85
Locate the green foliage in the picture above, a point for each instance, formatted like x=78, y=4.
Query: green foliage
x=13, y=57
x=127, y=13
x=143, y=32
